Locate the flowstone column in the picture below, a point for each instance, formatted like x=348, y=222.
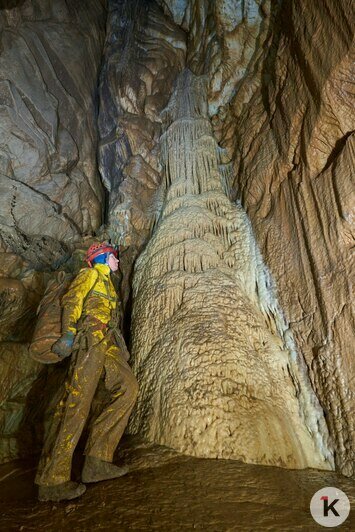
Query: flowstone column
x=218, y=375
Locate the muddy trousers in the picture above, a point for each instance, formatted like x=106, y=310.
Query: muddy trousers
x=89, y=365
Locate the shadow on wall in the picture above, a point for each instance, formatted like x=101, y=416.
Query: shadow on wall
x=269, y=69
x=10, y=4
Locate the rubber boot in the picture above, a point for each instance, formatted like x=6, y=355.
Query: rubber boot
x=95, y=470
x=61, y=492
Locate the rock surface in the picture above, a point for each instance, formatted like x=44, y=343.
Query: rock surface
x=280, y=104
x=50, y=190
x=288, y=130
x=280, y=101
x=18, y=373
x=143, y=54
x=286, y=123
x=217, y=378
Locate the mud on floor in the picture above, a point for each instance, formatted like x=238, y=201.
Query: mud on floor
x=168, y=492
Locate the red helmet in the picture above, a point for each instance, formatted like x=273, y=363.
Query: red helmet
x=98, y=249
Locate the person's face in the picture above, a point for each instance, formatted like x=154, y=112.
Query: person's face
x=113, y=262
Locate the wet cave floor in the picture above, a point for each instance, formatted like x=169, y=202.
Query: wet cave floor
x=170, y=492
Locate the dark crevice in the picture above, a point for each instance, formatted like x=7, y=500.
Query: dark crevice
x=339, y=145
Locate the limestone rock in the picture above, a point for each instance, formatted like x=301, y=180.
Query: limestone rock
x=293, y=151
x=10, y=265
x=19, y=297
x=279, y=96
x=144, y=52
x=18, y=373
x=287, y=126
x=28, y=392
x=50, y=189
x=225, y=40
x=218, y=375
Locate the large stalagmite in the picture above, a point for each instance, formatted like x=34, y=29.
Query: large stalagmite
x=218, y=373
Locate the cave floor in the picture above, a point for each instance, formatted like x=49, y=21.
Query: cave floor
x=169, y=492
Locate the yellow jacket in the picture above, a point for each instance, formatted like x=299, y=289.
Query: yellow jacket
x=90, y=294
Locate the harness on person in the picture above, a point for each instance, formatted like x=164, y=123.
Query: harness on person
x=48, y=327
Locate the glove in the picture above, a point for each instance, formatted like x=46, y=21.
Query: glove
x=64, y=346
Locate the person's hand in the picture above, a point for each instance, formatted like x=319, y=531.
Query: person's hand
x=64, y=346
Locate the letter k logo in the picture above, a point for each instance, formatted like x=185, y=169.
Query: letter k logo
x=327, y=507
x=330, y=507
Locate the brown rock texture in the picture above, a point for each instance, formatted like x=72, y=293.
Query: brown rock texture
x=50, y=190
x=217, y=378
x=280, y=100
x=292, y=148
x=143, y=54
x=20, y=291
x=22, y=380
x=287, y=127
x=18, y=373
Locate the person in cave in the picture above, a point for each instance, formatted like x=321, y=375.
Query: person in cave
x=89, y=307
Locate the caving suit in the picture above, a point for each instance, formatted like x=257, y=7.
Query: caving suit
x=88, y=307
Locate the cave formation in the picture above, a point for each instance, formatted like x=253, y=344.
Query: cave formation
x=213, y=141
x=217, y=378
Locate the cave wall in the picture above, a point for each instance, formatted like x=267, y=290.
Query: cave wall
x=50, y=189
x=280, y=102
x=144, y=52
x=292, y=145
x=279, y=99
x=51, y=193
